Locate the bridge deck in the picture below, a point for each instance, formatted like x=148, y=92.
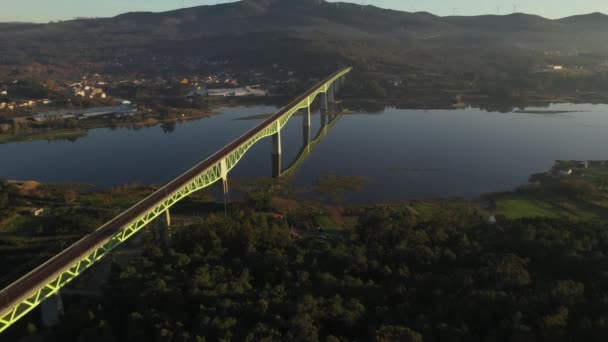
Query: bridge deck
x=26, y=286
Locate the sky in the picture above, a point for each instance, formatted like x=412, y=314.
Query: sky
x=52, y=10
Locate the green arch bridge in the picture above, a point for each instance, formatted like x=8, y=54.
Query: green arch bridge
x=23, y=295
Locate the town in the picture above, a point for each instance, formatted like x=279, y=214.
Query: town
x=27, y=104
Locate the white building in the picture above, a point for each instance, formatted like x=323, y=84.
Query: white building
x=229, y=92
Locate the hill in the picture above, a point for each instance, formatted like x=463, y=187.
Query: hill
x=303, y=33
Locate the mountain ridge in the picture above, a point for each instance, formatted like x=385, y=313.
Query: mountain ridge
x=321, y=31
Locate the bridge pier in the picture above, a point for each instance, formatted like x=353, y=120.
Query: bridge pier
x=51, y=309
x=163, y=229
x=276, y=155
x=226, y=192
x=324, y=118
x=324, y=104
x=306, y=135
x=330, y=94
x=306, y=117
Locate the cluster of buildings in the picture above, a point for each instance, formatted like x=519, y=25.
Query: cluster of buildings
x=90, y=92
x=12, y=105
x=90, y=87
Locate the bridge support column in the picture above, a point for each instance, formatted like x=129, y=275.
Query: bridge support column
x=330, y=95
x=324, y=115
x=305, y=135
x=226, y=192
x=276, y=155
x=51, y=309
x=163, y=229
x=324, y=104
x=306, y=117
x=224, y=174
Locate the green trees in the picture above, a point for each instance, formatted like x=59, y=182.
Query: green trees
x=400, y=276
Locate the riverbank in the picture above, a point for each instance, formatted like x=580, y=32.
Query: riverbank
x=72, y=129
x=60, y=134
x=463, y=99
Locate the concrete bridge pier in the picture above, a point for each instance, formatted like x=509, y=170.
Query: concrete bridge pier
x=163, y=229
x=224, y=179
x=226, y=191
x=306, y=123
x=324, y=104
x=330, y=95
x=305, y=135
x=276, y=155
x=324, y=115
x=51, y=310
x=306, y=117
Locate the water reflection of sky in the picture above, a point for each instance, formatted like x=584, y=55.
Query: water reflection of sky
x=404, y=153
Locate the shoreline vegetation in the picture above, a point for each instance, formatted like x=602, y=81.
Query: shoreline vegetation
x=547, y=111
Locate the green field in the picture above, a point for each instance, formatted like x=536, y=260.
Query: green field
x=581, y=196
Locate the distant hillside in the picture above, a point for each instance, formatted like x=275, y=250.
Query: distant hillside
x=299, y=32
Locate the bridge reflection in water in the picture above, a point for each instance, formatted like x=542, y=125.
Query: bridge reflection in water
x=328, y=121
x=46, y=280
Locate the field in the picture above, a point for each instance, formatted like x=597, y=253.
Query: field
x=582, y=195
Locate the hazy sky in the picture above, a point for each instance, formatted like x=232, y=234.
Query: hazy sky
x=47, y=10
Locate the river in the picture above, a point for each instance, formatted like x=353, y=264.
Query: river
x=403, y=154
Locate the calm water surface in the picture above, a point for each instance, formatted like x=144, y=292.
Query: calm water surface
x=405, y=154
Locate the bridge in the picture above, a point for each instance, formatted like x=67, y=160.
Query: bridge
x=44, y=282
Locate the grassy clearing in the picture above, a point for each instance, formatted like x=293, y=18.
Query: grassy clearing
x=583, y=195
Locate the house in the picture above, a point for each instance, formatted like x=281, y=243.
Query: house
x=492, y=219
x=2, y=105
x=3, y=92
x=564, y=173
x=584, y=164
x=79, y=92
x=185, y=81
x=36, y=212
x=553, y=68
